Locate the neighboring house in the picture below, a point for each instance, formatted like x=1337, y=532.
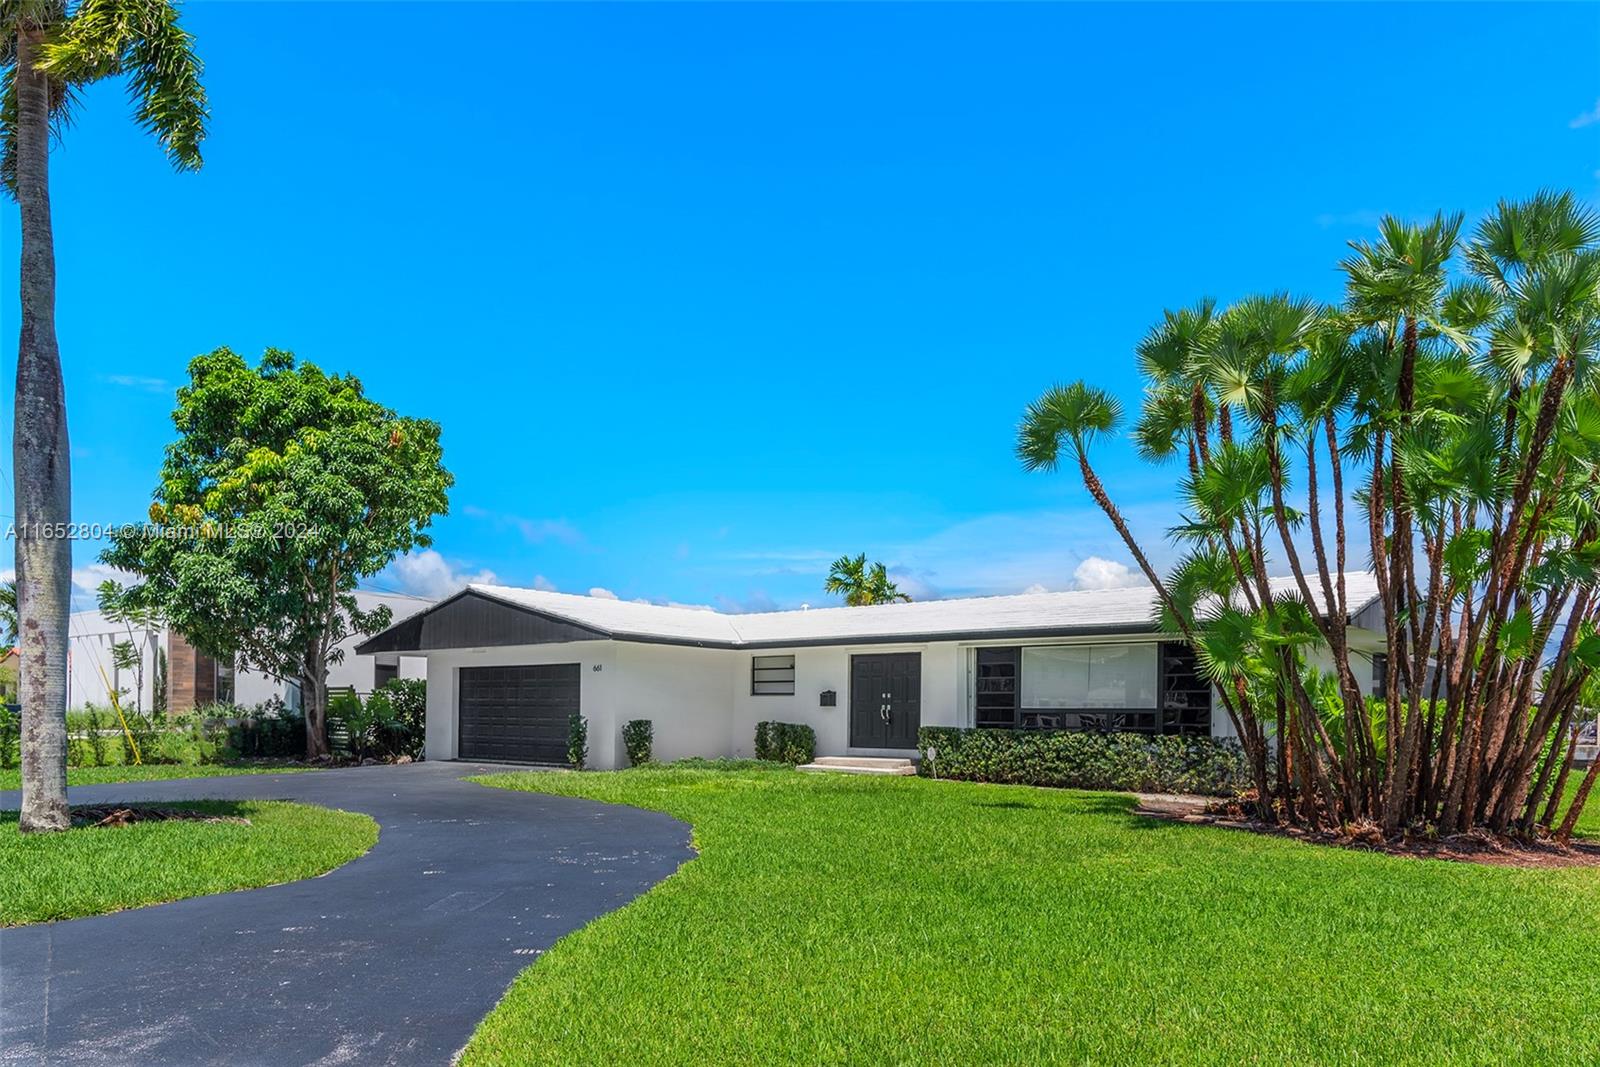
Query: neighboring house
x=507, y=667
x=193, y=679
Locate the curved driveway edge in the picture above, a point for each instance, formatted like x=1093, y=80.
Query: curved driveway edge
x=391, y=959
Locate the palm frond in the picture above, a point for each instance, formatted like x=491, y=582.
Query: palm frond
x=1076, y=412
x=144, y=40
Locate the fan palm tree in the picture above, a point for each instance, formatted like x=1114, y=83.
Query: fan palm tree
x=1077, y=414
x=46, y=55
x=859, y=583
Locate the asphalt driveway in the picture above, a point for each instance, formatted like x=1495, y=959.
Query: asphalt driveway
x=391, y=959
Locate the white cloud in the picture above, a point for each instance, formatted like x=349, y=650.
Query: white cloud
x=543, y=583
x=429, y=574
x=1097, y=573
x=1588, y=118
x=142, y=384
x=758, y=600
x=533, y=531
x=86, y=581
x=604, y=594
x=913, y=583
x=1036, y=588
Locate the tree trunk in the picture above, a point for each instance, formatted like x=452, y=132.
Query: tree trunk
x=40, y=467
x=1570, y=823
x=314, y=697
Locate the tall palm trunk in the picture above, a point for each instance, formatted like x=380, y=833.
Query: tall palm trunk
x=40, y=465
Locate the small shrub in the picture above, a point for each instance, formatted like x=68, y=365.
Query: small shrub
x=577, y=741
x=367, y=729
x=785, y=742
x=10, y=736
x=270, y=730
x=345, y=719
x=389, y=734
x=136, y=733
x=406, y=701
x=92, y=753
x=1082, y=760
x=637, y=736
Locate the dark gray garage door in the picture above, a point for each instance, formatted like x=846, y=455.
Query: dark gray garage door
x=517, y=713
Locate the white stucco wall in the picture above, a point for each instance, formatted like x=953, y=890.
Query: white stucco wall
x=700, y=702
x=943, y=698
x=595, y=695
x=686, y=693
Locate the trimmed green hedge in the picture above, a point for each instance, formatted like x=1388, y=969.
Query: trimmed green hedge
x=785, y=742
x=577, y=741
x=1076, y=760
x=637, y=737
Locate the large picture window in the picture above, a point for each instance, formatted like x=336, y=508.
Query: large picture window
x=1089, y=676
x=1152, y=688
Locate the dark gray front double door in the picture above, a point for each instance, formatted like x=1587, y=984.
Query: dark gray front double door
x=885, y=700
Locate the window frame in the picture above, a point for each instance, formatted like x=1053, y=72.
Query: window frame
x=224, y=672
x=756, y=681
x=1183, y=700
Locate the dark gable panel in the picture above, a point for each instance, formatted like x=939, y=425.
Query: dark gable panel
x=403, y=636
x=472, y=621
x=478, y=622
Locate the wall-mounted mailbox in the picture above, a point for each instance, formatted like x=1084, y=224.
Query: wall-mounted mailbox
x=829, y=698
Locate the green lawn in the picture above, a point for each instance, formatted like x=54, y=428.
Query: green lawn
x=151, y=772
x=832, y=919
x=90, y=870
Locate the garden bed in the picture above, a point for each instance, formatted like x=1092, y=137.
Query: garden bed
x=1499, y=850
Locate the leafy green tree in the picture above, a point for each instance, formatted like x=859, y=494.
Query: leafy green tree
x=1450, y=405
x=860, y=583
x=286, y=487
x=47, y=55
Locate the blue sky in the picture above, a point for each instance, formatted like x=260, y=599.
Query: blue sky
x=707, y=295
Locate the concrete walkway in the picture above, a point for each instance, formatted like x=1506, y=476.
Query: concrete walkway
x=391, y=959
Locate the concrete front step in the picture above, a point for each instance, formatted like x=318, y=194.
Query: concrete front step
x=860, y=765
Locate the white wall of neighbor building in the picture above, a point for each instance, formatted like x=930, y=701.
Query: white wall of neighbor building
x=92, y=635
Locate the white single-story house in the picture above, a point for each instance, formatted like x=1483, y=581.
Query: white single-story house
x=194, y=679
x=508, y=667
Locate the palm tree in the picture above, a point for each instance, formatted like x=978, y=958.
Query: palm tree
x=860, y=584
x=8, y=614
x=1078, y=414
x=46, y=56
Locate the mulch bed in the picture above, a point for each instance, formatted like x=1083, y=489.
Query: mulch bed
x=118, y=815
x=1477, y=846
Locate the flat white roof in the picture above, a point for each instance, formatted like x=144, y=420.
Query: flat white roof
x=1084, y=611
